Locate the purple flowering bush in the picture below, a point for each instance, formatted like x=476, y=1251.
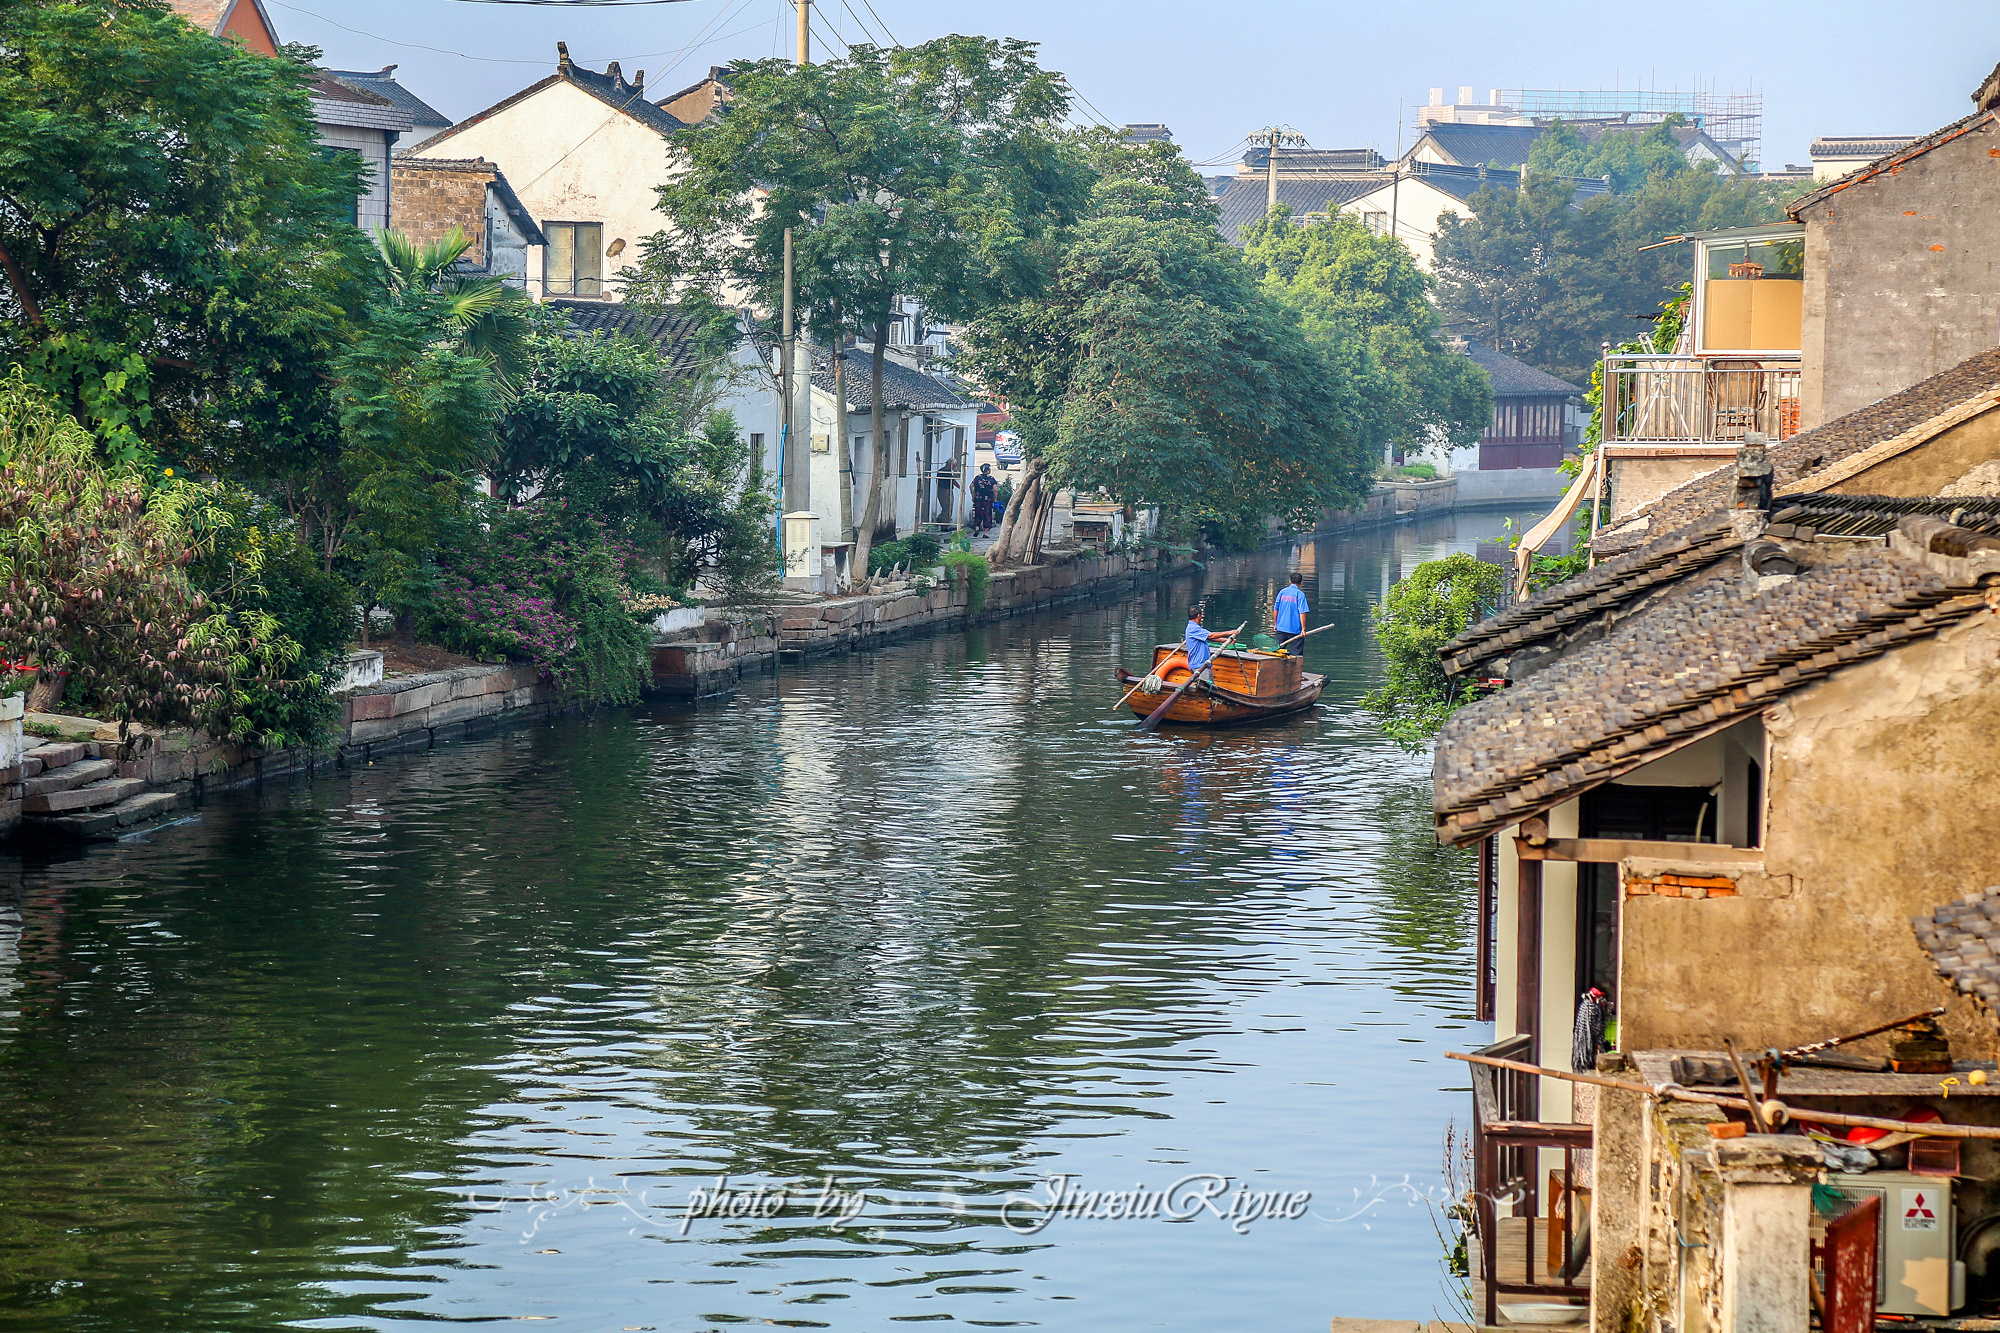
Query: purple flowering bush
x=547, y=586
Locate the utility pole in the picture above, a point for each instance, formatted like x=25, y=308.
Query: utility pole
x=797, y=424
x=1275, y=137
x=1396, y=180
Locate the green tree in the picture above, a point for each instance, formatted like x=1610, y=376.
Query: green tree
x=1363, y=300
x=175, y=245
x=419, y=389
x=1154, y=368
x=1440, y=600
x=1549, y=278
x=932, y=172
x=1627, y=158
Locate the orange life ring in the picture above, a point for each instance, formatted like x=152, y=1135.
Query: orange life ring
x=1176, y=674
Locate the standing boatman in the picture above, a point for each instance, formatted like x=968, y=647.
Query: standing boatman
x=1291, y=611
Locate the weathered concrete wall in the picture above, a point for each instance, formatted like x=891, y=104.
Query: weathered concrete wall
x=12, y=743
x=1617, y=1200
x=1509, y=486
x=1949, y=462
x=1636, y=482
x=1390, y=502
x=1902, y=275
x=1882, y=805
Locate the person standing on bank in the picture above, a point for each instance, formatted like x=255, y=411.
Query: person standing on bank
x=984, y=488
x=1195, y=643
x=1291, y=611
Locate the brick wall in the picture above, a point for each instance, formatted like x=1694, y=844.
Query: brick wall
x=427, y=202
x=1680, y=886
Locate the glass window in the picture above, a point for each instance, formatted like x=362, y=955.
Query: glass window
x=575, y=259
x=1751, y=259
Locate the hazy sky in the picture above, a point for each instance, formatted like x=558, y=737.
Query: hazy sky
x=1213, y=72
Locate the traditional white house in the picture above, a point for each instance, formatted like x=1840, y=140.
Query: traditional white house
x=586, y=153
x=931, y=425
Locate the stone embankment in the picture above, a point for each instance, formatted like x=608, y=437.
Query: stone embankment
x=89, y=785
x=712, y=657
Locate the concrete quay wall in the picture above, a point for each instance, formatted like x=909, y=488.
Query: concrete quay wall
x=713, y=657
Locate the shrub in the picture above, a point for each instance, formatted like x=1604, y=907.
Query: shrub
x=1439, y=601
x=551, y=587
x=974, y=570
x=93, y=582
x=919, y=551
x=1418, y=472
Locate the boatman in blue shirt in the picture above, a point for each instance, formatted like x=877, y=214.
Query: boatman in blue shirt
x=1291, y=609
x=1195, y=642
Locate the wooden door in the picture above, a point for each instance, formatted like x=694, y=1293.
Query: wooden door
x=1852, y=1244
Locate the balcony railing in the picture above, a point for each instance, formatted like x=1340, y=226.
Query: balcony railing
x=1511, y=1146
x=1684, y=402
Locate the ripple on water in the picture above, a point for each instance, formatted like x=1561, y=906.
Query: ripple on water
x=453, y=1037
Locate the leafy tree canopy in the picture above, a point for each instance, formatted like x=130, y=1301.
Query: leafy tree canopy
x=173, y=239
x=1364, y=301
x=1549, y=278
x=933, y=171
x=1155, y=368
x=1628, y=158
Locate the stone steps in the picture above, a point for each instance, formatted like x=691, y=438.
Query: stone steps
x=68, y=776
x=106, y=822
x=89, y=796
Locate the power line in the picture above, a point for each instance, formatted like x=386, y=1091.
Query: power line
x=879, y=23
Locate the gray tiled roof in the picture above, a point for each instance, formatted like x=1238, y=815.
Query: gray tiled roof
x=609, y=88
x=675, y=331
x=1243, y=201
x=1959, y=937
x=1716, y=648
x=1471, y=145
x=903, y=389
x=1462, y=183
x=1516, y=379
x=425, y=118
x=1809, y=451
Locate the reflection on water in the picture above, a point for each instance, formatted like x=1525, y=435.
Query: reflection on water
x=456, y=1037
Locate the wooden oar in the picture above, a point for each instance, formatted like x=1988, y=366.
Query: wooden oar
x=1153, y=718
x=1306, y=634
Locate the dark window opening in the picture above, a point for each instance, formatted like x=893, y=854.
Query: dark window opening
x=1597, y=894
x=1648, y=814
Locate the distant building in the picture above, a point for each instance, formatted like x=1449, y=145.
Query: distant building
x=698, y=102
x=1411, y=200
x=1312, y=183
x=587, y=153
x=1508, y=145
x=425, y=119
x=243, y=20
x=1147, y=134
x=430, y=196
x=1534, y=416
x=364, y=123
x=1733, y=123
x=1836, y=155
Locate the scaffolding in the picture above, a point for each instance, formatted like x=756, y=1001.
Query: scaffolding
x=1734, y=120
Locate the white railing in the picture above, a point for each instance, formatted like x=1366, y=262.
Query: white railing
x=1666, y=400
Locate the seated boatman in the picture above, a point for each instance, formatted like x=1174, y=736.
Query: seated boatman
x=1195, y=642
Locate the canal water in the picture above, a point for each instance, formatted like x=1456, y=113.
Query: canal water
x=794, y=1009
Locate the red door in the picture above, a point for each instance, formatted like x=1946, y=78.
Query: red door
x=1851, y=1243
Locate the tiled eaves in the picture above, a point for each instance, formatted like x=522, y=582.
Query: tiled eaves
x=1608, y=585
x=1538, y=744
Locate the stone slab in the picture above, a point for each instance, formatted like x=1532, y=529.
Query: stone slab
x=68, y=776
x=146, y=805
x=84, y=825
x=459, y=710
x=105, y=792
x=56, y=754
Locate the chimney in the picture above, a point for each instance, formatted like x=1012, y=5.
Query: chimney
x=639, y=81
x=1465, y=96
x=562, y=57
x=1493, y=97
x=1753, y=473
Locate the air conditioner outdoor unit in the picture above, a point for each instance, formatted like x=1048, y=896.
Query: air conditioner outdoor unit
x=1918, y=1269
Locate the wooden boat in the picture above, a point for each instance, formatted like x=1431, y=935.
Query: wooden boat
x=1243, y=686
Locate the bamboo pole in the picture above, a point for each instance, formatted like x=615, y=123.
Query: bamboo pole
x=1929, y=1130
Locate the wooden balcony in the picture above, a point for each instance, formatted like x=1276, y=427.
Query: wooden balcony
x=1530, y=1239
